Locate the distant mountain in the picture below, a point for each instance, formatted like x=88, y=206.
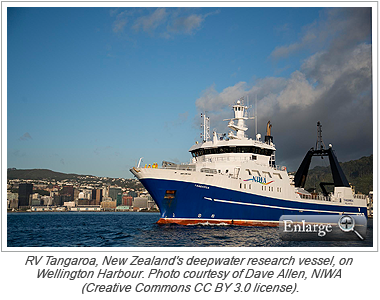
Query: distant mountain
x=359, y=173
x=37, y=174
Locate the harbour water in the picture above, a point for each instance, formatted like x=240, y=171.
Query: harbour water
x=131, y=229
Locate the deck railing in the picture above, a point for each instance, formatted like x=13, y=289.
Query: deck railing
x=315, y=197
x=173, y=166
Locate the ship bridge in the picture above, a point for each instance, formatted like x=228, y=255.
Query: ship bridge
x=237, y=144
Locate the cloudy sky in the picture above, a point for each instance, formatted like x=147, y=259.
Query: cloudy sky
x=91, y=90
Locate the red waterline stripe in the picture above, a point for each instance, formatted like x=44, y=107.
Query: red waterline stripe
x=209, y=221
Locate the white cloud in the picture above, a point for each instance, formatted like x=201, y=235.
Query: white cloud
x=121, y=20
x=285, y=51
x=150, y=22
x=333, y=85
x=163, y=22
x=342, y=26
x=211, y=100
x=186, y=25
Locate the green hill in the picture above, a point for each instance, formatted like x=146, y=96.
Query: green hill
x=45, y=174
x=359, y=173
x=38, y=174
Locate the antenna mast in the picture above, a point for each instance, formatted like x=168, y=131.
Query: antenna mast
x=205, y=136
x=320, y=145
x=256, y=114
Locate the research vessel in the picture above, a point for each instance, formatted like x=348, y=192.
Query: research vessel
x=233, y=179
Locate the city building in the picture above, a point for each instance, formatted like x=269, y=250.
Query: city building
x=119, y=199
x=76, y=194
x=69, y=204
x=97, y=195
x=36, y=200
x=68, y=192
x=47, y=200
x=12, y=196
x=108, y=205
x=127, y=200
x=57, y=200
x=62, y=195
x=113, y=192
x=24, y=192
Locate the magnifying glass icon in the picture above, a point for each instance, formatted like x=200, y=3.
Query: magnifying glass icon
x=347, y=224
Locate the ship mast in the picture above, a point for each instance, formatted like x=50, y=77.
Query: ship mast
x=240, y=128
x=205, y=136
x=320, y=144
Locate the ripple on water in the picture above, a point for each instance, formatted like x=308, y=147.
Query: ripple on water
x=140, y=230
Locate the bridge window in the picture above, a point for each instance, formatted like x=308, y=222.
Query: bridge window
x=237, y=149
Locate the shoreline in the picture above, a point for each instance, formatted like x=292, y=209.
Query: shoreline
x=84, y=211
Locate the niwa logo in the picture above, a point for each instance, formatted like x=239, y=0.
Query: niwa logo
x=260, y=179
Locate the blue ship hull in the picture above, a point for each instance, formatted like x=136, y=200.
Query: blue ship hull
x=196, y=203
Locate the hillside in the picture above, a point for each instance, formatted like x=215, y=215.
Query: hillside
x=48, y=175
x=359, y=173
x=38, y=174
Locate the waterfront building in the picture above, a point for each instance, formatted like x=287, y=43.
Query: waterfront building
x=85, y=194
x=114, y=191
x=12, y=200
x=57, y=200
x=12, y=196
x=105, y=191
x=108, y=205
x=47, y=200
x=76, y=194
x=119, y=199
x=127, y=200
x=93, y=195
x=140, y=202
x=123, y=208
x=82, y=202
x=107, y=199
x=97, y=195
x=36, y=200
x=85, y=208
x=24, y=192
x=13, y=204
x=69, y=204
x=152, y=204
x=66, y=198
x=68, y=192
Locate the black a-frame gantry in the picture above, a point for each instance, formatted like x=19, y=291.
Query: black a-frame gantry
x=339, y=178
